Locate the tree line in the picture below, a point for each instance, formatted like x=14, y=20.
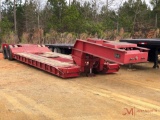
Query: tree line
x=90, y=17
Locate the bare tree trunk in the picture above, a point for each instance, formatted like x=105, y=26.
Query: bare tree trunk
x=118, y=16
x=107, y=6
x=156, y=20
x=0, y=13
x=135, y=17
x=38, y=20
x=15, y=19
x=26, y=22
x=0, y=10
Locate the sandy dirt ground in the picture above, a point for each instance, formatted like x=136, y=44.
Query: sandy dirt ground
x=27, y=93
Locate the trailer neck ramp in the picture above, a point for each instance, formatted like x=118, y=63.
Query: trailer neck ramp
x=105, y=56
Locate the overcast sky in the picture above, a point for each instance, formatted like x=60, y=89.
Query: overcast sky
x=116, y=3
x=147, y=1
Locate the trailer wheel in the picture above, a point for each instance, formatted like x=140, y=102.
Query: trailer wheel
x=9, y=53
x=62, y=51
x=4, y=52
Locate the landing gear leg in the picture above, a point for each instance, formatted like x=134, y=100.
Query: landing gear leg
x=90, y=74
x=130, y=66
x=156, y=59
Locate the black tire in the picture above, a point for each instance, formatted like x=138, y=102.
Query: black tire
x=62, y=51
x=4, y=52
x=9, y=53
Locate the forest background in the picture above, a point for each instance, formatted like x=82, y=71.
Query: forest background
x=59, y=21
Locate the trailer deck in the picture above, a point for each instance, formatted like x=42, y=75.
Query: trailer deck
x=51, y=62
x=143, y=42
x=88, y=56
x=152, y=44
x=42, y=59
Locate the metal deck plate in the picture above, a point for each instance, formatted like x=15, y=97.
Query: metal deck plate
x=45, y=60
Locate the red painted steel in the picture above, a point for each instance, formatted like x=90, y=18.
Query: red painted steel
x=65, y=71
x=122, y=54
x=91, y=56
x=98, y=54
x=33, y=55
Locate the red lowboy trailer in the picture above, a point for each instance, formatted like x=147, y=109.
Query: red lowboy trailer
x=88, y=56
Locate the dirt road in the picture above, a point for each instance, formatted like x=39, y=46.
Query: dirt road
x=27, y=93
